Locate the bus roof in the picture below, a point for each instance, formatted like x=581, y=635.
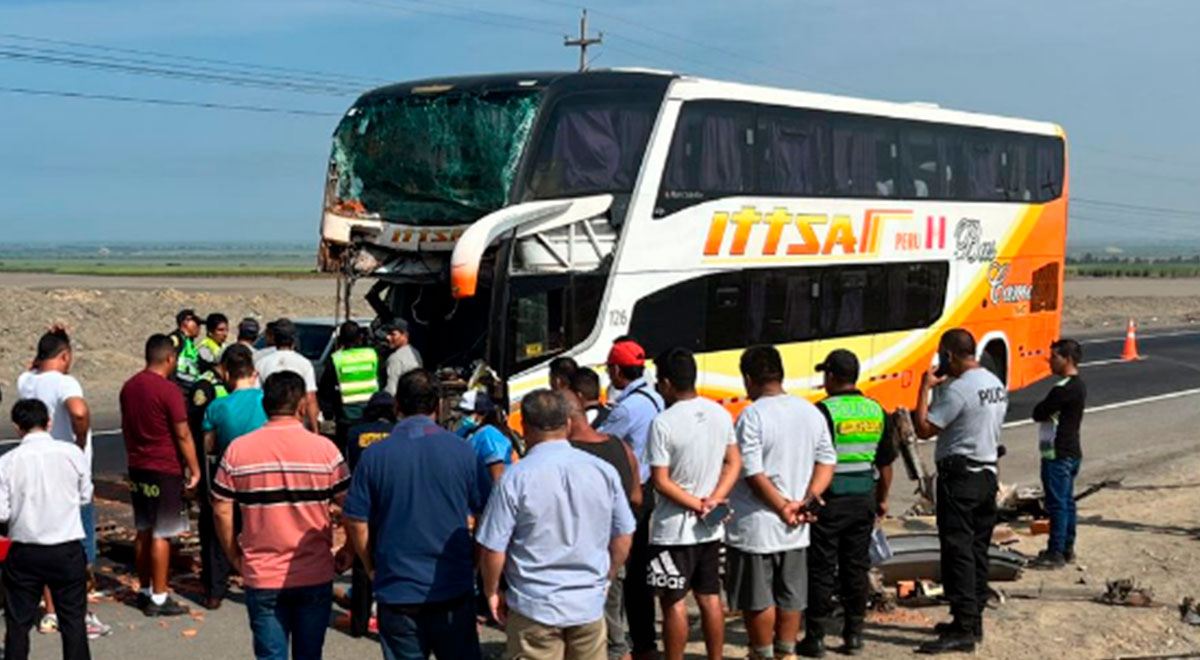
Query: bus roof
x=687, y=87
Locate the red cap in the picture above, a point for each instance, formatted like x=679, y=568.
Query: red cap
x=627, y=353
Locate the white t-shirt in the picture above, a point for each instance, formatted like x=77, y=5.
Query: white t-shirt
x=780, y=436
x=287, y=360
x=53, y=389
x=690, y=438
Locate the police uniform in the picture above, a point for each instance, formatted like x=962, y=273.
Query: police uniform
x=359, y=437
x=214, y=565
x=350, y=379
x=841, y=536
x=208, y=354
x=187, y=369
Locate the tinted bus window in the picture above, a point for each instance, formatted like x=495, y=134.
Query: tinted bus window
x=795, y=154
x=711, y=152
x=723, y=149
x=592, y=143
x=864, y=158
x=732, y=310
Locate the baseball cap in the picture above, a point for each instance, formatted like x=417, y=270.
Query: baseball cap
x=627, y=353
x=840, y=363
x=185, y=314
x=476, y=401
x=381, y=399
x=248, y=328
x=284, y=331
x=399, y=325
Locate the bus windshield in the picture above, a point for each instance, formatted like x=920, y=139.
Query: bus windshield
x=429, y=160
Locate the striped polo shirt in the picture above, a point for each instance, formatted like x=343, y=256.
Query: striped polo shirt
x=283, y=478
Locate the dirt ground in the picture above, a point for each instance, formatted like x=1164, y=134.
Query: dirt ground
x=110, y=317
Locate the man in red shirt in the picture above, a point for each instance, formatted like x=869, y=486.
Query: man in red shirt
x=283, y=479
x=159, y=444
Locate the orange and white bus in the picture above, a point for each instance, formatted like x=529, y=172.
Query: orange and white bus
x=515, y=218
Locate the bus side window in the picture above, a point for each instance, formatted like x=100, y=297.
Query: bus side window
x=864, y=158
x=711, y=152
x=674, y=316
x=794, y=154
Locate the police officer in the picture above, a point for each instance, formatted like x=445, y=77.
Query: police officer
x=183, y=338
x=348, y=381
x=969, y=404
x=376, y=424
x=208, y=350
x=841, y=536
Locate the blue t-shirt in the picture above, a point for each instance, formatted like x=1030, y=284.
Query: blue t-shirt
x=491, y=445
x=233, y=416
x=415, y=490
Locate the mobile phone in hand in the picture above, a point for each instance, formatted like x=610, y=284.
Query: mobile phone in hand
x=718, y=514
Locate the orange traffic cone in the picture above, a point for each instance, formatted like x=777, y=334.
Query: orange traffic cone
x=1130, y=353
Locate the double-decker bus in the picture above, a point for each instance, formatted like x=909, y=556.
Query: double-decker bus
x=511, y=219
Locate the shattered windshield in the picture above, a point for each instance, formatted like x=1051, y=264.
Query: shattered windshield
x=440, y=160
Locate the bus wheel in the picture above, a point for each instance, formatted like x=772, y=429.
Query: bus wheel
x=995, y=360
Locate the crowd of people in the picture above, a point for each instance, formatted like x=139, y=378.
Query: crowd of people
x=566, y=535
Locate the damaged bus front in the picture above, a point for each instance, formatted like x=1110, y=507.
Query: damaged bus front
x=486, y=209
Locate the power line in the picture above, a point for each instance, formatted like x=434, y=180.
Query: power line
x=1136, y=207
x=75, y=61
x=168, y=102
x=303, y=73
x=708, y=46
x=391, y=5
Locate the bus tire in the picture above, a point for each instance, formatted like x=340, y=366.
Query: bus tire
x=995, y=360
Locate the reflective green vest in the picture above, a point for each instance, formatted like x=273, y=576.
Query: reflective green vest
x=357, y=372
x=187, y=369
x=208, y=352
x=218, y=384
x=858, y=424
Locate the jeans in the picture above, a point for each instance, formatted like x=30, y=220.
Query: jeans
x=446, y=629
x=1058, y=482
x=298, y=613
x=87, y=515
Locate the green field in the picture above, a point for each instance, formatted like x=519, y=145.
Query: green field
x=1131, y=269
x=159, y=269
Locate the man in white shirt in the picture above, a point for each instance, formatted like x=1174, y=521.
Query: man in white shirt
x=789, y=461
x=70, y=421
x=43, y=483
x=694, y=463
x=285, y=358
x=404, y=357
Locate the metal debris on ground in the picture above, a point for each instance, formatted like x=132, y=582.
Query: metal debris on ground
x=1126, y=592
x=1189, y=611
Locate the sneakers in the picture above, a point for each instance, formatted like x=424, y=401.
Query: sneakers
x=49, y=624
x=95, y=627
x=170, y=607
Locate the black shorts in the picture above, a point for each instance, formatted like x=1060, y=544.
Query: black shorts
x=158, y=503
x=674, y=569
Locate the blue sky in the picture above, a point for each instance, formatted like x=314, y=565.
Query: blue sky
x=1121, y=77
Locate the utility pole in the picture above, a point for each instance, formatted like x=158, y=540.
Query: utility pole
x=583, y=41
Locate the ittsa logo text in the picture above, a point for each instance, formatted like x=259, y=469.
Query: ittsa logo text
x=805, y=234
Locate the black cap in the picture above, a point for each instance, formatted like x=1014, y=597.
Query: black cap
x=248, y=329
x=185, y=314
x=284, y=332
x=397, y=325
x=842, y=364
x=381, y=399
